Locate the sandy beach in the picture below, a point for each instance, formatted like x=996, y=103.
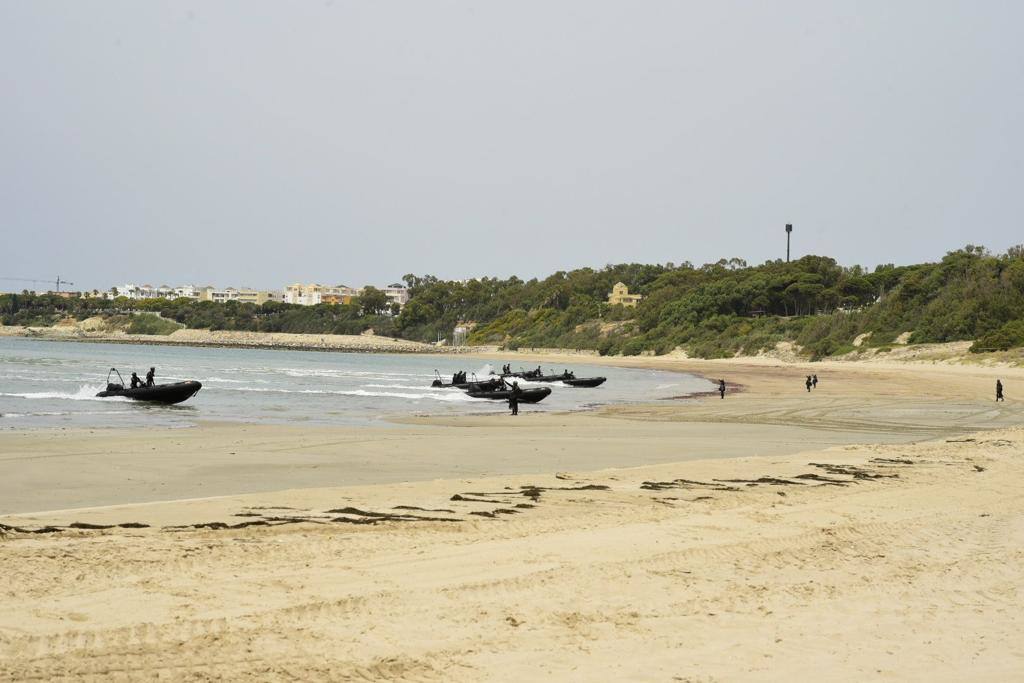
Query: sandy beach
x=872, y=529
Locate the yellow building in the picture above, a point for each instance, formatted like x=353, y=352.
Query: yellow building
x=336, y=298
x=244, y=295
x=313, y=294
x=258, y=296
x=620, y=296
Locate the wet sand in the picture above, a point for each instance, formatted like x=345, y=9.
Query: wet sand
x=630, y=543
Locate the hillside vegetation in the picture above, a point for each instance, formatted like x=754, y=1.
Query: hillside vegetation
x=725, y=308
x=715, y=310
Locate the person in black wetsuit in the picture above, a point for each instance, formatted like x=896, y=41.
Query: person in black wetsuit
x=721, y=387
x=814, y=381
x=809, y=383
x=513, y=398
x=999, y=391
x=149, y=377
x=136, y=382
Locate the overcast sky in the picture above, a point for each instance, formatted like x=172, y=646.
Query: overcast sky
x=258, y=143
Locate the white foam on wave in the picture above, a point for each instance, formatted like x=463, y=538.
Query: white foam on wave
x=262, y=389
x=338, y=372
x=405, y=386
x=434, y=393
x=86, y=392
x=449, y=395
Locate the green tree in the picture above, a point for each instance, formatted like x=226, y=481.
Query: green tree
x=373, y=301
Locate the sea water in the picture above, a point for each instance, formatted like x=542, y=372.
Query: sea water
x=50, y=383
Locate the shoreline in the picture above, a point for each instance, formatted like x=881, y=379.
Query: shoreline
x=775, y=534
x=772, y=415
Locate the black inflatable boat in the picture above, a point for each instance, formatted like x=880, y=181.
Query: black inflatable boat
x=584, y=381
x=492, y=383
x=531, y=395
x=158, y=393
x=569, y=379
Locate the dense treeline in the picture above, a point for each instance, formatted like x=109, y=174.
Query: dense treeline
x=714, y=310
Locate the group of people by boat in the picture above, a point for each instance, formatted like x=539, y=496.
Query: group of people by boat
x=505, y=386
x=494, y=388
x=150, y=379
x=566, y=377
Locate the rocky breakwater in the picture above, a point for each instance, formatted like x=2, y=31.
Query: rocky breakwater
x=366, y=343
x=309, y=342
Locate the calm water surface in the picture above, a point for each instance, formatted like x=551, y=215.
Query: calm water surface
x=46, y=384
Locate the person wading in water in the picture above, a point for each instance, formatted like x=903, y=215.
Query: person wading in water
x=513, y=398
x=721, y=387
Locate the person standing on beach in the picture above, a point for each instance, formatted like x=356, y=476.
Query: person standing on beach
x=814, y=381
x=809, y=383
x=721, y=387
x=999, y=391
x=513, y=398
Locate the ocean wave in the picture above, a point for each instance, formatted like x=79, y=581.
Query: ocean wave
x=419, y=387
x=260, y=389
x=338, y=372
x=452, y=395
x=75, y=413
x=86, y=392
x=455, y=396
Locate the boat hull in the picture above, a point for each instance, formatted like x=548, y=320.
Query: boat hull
x=532, y=395
x=585, y=382
x=486, y=384
x=168, y=394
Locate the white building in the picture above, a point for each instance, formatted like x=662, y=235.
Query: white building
x=315, y=293
x=133, y=291
x=186, y=292
x=207, y=293
x=397, y=294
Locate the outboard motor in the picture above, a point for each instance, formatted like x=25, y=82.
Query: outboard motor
x=437, y=383
x=115, y=387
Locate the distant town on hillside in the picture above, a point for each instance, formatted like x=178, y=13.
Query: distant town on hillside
x=297, y=293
